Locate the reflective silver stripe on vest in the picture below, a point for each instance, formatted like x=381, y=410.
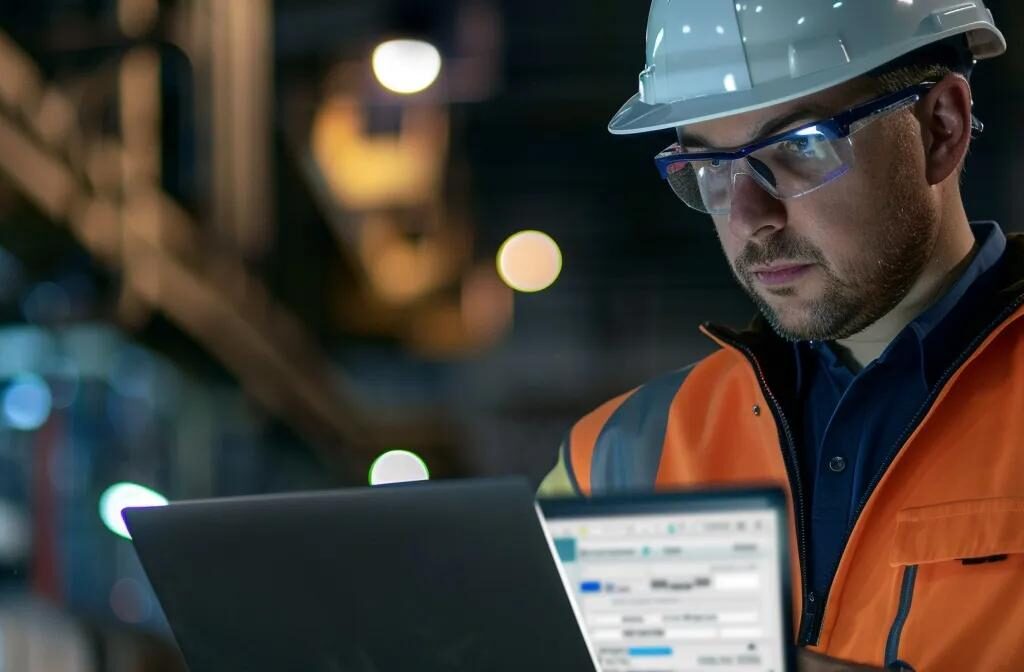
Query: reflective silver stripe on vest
x=628, y=449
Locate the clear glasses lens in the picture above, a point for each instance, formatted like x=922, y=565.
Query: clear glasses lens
x=792, y=167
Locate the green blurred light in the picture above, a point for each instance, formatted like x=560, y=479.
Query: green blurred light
x=121, y=496
x=398, y=466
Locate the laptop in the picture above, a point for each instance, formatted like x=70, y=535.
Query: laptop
x=456, y=577
x=464, y=576
x=680, y=582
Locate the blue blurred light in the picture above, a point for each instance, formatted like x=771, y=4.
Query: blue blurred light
x=64, y=378
x=46, y=303
x=27, y=402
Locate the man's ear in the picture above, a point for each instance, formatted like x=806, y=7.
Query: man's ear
x=945, y=116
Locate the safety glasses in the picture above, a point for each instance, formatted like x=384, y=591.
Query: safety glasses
x=787, y=165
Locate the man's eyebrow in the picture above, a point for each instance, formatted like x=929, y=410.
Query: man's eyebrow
x=767, y=129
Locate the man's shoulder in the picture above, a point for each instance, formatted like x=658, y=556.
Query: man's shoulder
x=618, y=445
x=640, y=415
x=658, y=393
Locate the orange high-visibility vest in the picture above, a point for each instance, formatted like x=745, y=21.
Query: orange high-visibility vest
x=932, y=575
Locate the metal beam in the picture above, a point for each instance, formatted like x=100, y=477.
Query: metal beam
x=171, y=267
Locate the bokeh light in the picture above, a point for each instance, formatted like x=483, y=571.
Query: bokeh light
x=529, y=261
x=406, y=66
x=27, y=402
x=15, y=535
x=46, y=303
x=64, y=378
x=398, y=466
x=121, y=496
x=130, y=601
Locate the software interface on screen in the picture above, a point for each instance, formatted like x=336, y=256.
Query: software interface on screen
x=677, y=592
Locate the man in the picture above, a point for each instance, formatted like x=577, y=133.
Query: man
x=883, y=381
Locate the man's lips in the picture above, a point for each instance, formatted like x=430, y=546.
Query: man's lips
x=780, y=274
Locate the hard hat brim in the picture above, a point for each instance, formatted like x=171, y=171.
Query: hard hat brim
x=638, y=117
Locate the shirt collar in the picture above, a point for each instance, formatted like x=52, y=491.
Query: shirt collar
x=991, y=243
x=936, y=331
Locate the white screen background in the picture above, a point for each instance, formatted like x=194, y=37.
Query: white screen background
x=680, y=592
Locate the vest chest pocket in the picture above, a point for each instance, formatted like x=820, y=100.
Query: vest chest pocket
x=961, y=598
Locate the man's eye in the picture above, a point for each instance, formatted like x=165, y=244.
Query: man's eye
x=802, y=146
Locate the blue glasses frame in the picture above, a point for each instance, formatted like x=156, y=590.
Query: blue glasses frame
x=835, y=128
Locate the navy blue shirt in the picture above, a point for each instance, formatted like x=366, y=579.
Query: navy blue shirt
x=853, y=421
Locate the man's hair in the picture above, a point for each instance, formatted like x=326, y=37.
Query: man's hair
x=903, y=77
x=930, y=63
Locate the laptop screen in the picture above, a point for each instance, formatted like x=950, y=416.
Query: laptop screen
x=677, y=591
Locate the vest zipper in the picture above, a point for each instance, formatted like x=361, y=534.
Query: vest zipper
x=810, y=608
x=814, y=633
x=809, y=622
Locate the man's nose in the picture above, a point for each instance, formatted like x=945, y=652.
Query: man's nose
x=754, y=213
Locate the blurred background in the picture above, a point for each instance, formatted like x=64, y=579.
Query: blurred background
x=256, y=246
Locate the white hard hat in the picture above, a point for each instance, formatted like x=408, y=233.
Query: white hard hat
x=714, y=58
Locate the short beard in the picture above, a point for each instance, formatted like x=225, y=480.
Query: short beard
x=864, y=293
